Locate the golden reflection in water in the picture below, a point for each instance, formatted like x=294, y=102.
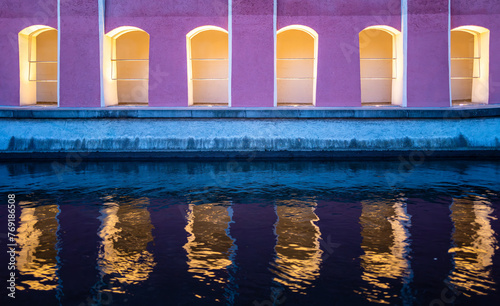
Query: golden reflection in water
x=210, y=248
x=474, y=245
x=37, y=245
x=298, y=253
x=386, y=241
x=126, y=231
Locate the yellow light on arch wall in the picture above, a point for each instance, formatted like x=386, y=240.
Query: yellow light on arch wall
x=208, y=66
x=126, y=66
x=296, y=65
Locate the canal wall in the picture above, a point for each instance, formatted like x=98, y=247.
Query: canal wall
x=293, y=132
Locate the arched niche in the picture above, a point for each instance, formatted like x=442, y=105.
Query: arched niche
x=296, y=65
x=126, y=67
x=470, y=65
x=381, y=66
x=38, y=65
x=208, y=66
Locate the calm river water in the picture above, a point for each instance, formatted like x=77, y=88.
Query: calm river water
x=253, y=233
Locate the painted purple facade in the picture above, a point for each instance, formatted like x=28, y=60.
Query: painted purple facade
x=252, y=44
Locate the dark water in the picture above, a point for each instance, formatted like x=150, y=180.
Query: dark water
x=253, y=233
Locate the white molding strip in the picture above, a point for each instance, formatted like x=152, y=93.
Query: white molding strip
x=58, y=53
x=449, y=50
x=275, y=33
x=102, y=5
x=230, y=51
x=404, y=30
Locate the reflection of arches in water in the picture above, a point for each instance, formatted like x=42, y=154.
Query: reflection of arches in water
x=126, y=231
x=386, y=245
x=474, y=245
x=210, y=247
x=38, y=250
x=298, y=254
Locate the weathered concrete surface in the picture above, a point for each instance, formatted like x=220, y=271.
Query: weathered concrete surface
x=251, y=113
x=270, y=131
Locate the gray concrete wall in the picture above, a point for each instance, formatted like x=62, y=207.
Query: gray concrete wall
x=282, y=133
x=177, y=133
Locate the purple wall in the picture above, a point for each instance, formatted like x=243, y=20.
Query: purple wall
x=337, y=22
x=79, y=66
x=253, y=53
x=428, y=66
x=16, y=15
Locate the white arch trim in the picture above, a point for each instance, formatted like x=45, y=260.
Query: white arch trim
x=201, y=29
x=304, y=28
x=385, y=28
x=35, y=30
x=115, y=33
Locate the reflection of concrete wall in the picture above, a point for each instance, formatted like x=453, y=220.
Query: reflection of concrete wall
x=210, y=247
x=474, y=245
x=37, y=239
x=126, y=232
x=385, y=231
x=298, y=256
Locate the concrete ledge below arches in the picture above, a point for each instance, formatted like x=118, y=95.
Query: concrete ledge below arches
x=106, y=136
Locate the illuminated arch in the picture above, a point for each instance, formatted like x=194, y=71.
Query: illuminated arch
x=126, y=67
x=38, y=65
x=298, y=254
x=381, y=65
x=470, y=64
x=296, y=65
x=208, y=66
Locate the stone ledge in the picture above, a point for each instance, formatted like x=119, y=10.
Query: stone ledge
x=250, y=113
